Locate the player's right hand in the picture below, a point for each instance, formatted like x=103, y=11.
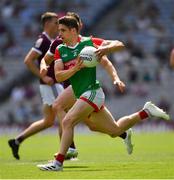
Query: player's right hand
x=48, y=80
x=79, y=64
x=43, y=72
x=121, y=86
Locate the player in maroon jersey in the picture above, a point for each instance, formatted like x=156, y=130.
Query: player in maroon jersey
x=49, y=88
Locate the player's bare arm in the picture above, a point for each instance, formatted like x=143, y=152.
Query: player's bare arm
x=172, y=59
x=45, y=62
x=49, y=58
x=61, y=74
x=29, y=60
x=110, y=69
x=30, y=63
x=108, y=47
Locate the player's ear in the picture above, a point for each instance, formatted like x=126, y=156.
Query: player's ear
x=81, y=26
x=74, y=30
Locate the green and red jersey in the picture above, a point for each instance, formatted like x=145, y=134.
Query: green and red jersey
x=85, y=79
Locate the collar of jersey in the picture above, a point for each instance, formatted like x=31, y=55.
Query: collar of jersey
x=78, y=41
x=46, y=34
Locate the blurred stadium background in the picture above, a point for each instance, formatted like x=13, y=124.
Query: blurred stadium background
x=146, y=28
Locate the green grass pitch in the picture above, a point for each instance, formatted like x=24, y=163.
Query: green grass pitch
x=100, y=157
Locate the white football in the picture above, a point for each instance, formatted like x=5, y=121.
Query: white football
x=88, y=56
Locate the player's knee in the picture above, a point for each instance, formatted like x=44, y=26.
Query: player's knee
x=57, y=107
x=54, y=106
x=49, y=122
x=68, y=122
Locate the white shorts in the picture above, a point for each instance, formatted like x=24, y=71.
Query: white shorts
x=50, y=93
x=95, y=98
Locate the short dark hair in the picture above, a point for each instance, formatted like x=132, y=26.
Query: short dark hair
x=47, y=17
x=69, y=21
x=75, y=15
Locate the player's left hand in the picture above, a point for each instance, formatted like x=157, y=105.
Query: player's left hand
x=101, y=51
x=121, y=86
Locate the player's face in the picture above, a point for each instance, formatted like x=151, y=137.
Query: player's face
x=54, y=25
x=65, y=33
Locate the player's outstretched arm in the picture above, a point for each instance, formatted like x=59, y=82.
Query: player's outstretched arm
x=110, y=69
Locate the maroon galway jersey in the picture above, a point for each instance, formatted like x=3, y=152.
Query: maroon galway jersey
x=51, y=51
x=41, y=46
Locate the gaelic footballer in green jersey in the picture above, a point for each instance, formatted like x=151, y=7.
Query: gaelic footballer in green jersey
x=83, y=81
x=69, y=55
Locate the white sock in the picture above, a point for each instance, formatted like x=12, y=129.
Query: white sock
x=71, y=149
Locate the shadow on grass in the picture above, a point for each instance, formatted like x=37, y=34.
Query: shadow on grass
x=75, y=167
x=85, y=168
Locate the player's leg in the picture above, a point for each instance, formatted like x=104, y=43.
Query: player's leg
x=34, y=128
x=100, y=127
x=98, y=97
x=80, y=110
x=77, y=113
x=61, y=105
x=46, y=122
x=149, y=110
x=48, y=94
x=64, y=102
x=105, y=121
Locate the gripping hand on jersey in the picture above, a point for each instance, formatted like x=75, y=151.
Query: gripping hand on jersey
x=43, y=68
x=43, y=71
x=46, y=79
